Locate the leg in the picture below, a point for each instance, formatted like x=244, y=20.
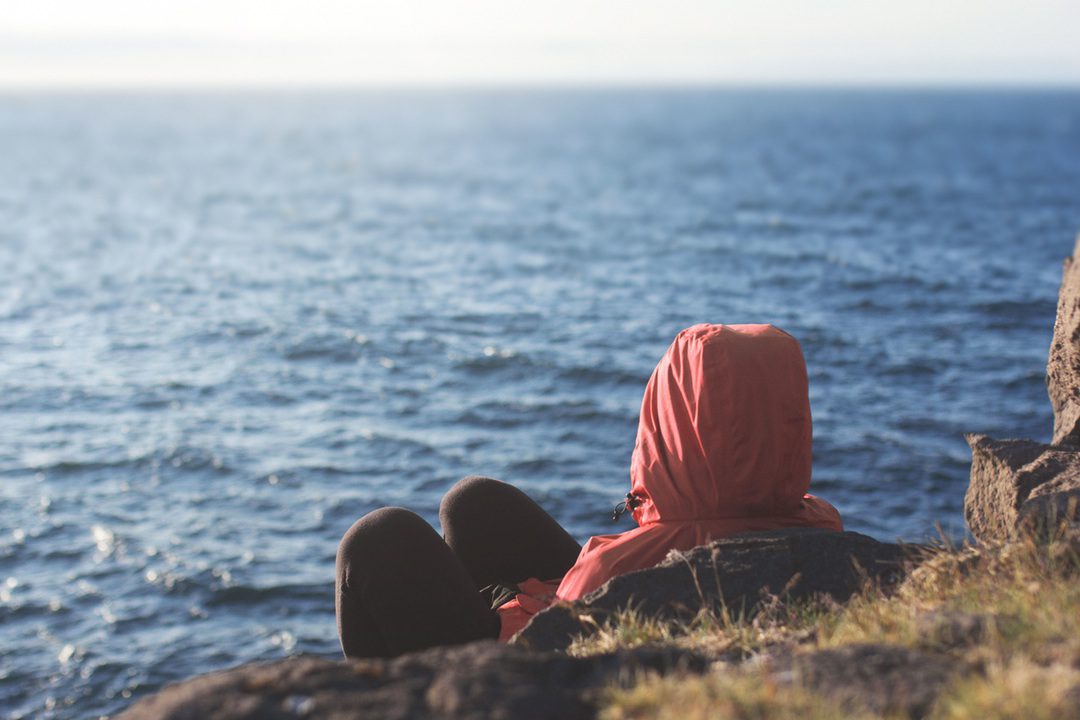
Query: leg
x=400, y=588
x=501, y=535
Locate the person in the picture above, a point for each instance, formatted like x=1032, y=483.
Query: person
x=723, y=447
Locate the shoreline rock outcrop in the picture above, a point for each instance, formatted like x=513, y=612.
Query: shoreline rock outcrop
x=1023, y=486
x=1063, y=365
x=1020, y=486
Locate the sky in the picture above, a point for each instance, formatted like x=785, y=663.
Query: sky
x=225, y=43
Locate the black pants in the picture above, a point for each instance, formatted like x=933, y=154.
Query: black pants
x=401, y=587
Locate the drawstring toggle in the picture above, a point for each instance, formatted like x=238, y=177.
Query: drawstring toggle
x=632, y=501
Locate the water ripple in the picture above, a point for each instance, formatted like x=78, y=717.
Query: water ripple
x=237, y=323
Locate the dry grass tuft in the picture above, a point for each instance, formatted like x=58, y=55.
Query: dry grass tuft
x=719, y=634
x=1018, y=689
x=750, y=696
x=1009, y=613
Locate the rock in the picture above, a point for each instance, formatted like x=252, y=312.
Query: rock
x=1051, y=513
x=479, y=680
x=1020, y=484
x=996, y=490
x=1024, y=485
x=883, y=679
x=1063, y=366
x=735, y=573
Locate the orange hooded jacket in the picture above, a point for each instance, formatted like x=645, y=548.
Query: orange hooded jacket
x=723, y=447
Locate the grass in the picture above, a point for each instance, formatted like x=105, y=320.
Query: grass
x=734, y=697
x=1018, y=689
x=1008, y=614
x=719, y=635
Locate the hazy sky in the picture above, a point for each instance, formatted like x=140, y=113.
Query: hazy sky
x=297, y=42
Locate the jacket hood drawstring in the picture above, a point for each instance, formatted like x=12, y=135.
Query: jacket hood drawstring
x=631, y=503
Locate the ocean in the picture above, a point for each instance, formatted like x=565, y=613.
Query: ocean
x=232, y=323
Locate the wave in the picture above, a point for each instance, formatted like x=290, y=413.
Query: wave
x=248, y=595
x=184, y=457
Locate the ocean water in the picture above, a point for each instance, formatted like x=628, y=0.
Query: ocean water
x=230, y=324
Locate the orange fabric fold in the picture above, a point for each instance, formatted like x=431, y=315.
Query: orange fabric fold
x=535, y=595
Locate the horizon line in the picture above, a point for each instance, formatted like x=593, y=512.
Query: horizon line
x=543, y=85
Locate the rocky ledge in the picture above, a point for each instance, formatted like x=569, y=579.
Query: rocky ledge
x=490, y=681
x=1022, y=494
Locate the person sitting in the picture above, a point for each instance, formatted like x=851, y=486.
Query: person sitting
x=723, y=447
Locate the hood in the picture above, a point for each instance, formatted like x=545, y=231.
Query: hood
x=725, y=428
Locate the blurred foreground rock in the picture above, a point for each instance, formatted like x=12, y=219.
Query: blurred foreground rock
x=490, y=680
x=476, y=681
x=883, y=679
x=734, y=573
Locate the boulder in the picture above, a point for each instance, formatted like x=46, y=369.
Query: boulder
x=734, y=573
x=1020, y=484
x=480, y=680
x=1063, y=366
